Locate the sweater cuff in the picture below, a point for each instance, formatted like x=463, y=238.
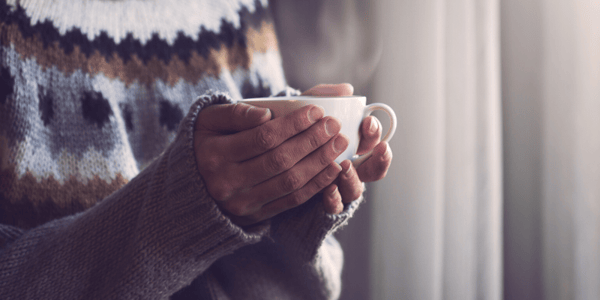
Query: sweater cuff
x=288, y=92
x=303, y=229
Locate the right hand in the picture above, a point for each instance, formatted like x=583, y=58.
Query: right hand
x=255, y=167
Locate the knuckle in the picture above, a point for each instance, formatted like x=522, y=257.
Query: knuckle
x=221, y=193
x=291, y=181
x=324, y=180
x=300, y=124
x=313, y=141
x=325, y=158
x=265, y=138
x=210, y=163
x=295, y=199
x=236, y=209
x=278, y=162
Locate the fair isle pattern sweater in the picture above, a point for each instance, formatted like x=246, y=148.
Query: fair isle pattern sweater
x=100, y=197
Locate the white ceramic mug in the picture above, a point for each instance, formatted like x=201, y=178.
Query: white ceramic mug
x=350, y=110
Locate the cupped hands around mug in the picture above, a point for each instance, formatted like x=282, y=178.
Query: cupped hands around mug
x=256, y=168
x=349, y=184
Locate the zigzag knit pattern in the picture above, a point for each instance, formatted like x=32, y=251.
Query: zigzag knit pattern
x=92, y=91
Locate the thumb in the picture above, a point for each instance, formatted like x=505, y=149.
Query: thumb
x=228, y=118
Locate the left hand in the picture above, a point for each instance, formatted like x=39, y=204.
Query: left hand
x=349, y=184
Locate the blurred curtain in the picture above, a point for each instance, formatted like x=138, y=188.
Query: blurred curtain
x=551, y=104
x=437, y=218
x=494, y=192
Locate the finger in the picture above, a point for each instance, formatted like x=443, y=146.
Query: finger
x=376, y=167
x=332, y=200
x=370, y=134
x=298, y=176
x=291, y=152
x=229, y=118
x=342, y=89
x=349, y=184
x=317, y=184
x=256, y=141
x=248, y=174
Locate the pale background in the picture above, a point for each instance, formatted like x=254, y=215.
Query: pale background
x=494, y=192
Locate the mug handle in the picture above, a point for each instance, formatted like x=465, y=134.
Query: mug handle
x=369, y=109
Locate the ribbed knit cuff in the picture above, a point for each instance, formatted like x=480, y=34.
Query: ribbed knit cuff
x=303, y=229
x=288, y=92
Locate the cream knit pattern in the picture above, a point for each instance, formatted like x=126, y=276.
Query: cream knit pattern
x=100, y=197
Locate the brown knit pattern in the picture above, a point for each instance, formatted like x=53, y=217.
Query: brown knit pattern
x=259, y=40
x=27, y=202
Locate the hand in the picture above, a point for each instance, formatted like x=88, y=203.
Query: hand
x=255, y=167
x=349, y=185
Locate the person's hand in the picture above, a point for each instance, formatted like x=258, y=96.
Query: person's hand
x=349, y=185
x=255, y=167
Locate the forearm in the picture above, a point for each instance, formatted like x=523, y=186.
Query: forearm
x=148, y=240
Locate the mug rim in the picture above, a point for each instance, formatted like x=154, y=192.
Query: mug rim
x=300, y=98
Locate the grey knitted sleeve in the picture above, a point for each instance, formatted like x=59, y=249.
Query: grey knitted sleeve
x=146, y=241
x=300, y=260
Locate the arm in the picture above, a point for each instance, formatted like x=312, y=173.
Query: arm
x=147, y=240
x=301, y=259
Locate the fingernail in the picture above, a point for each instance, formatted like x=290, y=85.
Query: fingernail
x=373, y=126
x=388, y=151
x=316, y=113
x=346, y=166
x=334, y=191
x=340, y=143
x=332, y=127
x=337, y=167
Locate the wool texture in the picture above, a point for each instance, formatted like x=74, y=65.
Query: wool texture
x=100, y=196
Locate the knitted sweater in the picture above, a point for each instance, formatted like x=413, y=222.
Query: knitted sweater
x=100, y=196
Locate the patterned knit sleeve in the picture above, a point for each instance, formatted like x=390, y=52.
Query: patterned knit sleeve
x=146, y=241
x=287, y=92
